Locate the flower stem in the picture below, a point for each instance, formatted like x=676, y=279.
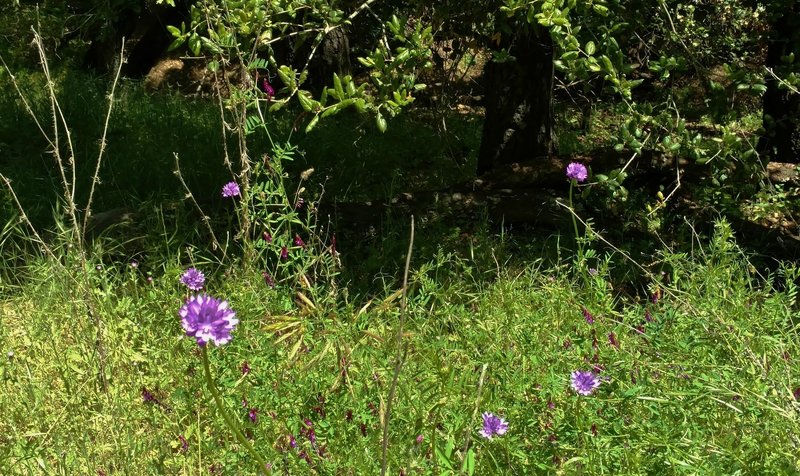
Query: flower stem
x=228, y=420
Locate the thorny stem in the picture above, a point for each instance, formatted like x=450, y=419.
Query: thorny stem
x=225, y=416
x=400, y=353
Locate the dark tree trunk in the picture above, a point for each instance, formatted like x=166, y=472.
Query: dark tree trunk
x=519, y=93
x=781, y=141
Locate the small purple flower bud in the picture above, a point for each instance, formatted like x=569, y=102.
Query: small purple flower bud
x=268, y=279
x=612, y=340
x=253, y=415
x=299, y=241
x=245, y=368
x=292, y=441
x=184, y=443
x=647, y=316
x=588, y=316
x=420, y=439
x=267, y=237
x=284, y=253
x=267, y=88
x=134, y=264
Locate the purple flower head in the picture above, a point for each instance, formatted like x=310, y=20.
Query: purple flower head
x=299, y=241
x=577, y=171
x=231, y=189
x=612, y=340
x=268, y=279
x=647, y=316
x=147, y=396
x=593, y=271
x=267, y=237
x=245, y=368
x=134, y=264
x=493, y=425
x=420, y=439
x=253, y=415
x=292, y=441
x=588, y=316
x=284, y=253
x=193, y=279
x=584, y=382
x=184, y=443
x=208, y=319
x=656, y=296
x=150, y=280
x=267, y=88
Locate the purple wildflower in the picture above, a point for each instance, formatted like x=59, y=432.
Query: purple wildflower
x=148, y=397
x=149, y=280
x=656, y=296
x=492, y=425
x=796, y=393
x=584, y=382
x=268, y=279
x=647, y=316
x=284, y=253
x=184, y=443
x=231, y=189
x=420, y=439
x=267, y=88
x=612, y=340
x=577, y=171
x=292, y=441
x=593, y=271
x=193, y=279
x=245, y=368
x=208, y=319
x=253, y=415
x=134, y=264
x=267, y=237
x=299, y=241
x=588, y=316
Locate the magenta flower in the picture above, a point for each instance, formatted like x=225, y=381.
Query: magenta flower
x=245, y=368
x=493, y=425
x=267, y=88
x=268, y=279
x=299, y=241
x=420, y=439
x=284, y=253
x=577, y=171
x=584, y=382
x=231, y=189
x=267, y=237
x=253, y=415
x=208, y=319
x=193, y=279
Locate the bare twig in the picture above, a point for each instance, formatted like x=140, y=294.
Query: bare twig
x=189, y=195
x=96, y=176
x=400, y=353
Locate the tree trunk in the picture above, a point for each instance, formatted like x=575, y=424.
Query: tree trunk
x=781, y=141
x=519, y=93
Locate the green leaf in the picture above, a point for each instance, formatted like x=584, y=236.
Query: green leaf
x=590, y=48
x=380, y=121
x=312, y=124
x=305, y=100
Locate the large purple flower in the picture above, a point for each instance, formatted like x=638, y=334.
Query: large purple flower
x=585, y=382
x=493, y=425
x=208, y=319
x=577, y=171
x=230, y=189
x=193, y=279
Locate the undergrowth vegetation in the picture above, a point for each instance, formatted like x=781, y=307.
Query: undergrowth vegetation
x=217, y=323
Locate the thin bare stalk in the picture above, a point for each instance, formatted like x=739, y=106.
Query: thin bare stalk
x=398, y=364
x=189, y=195
x=96, y=176
x=475, y=411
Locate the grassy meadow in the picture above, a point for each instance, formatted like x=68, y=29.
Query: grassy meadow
x=694, y=344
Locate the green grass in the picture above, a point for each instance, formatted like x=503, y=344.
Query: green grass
x=707, y=389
